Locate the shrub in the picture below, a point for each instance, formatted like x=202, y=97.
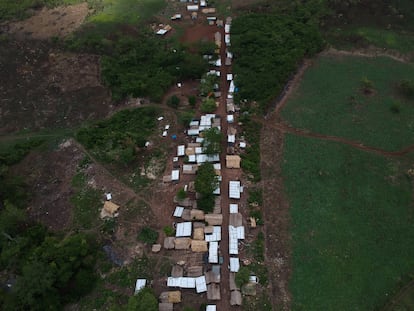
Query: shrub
x=173, y=102
x=148, y=235
x=395, y=107
x=406, y=88
x=192, y=100
x=242, y=277
x=185, y=118
x=169, y=231
x=367, y=85
x=181, y=194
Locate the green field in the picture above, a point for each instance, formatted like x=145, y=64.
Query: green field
x=330, y=101
x=351, y=223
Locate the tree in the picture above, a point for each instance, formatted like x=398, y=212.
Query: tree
x=212, y=140
x=208, y=105
x=148, y=235
x=205, y=184
x=192, y=100
x=242, y=276
x=144, y=300
x=173, y=102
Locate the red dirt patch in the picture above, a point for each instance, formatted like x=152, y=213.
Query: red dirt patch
x=199, y=32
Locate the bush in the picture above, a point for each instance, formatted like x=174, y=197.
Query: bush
x=242, y=277
x=169, y=231
x=173, y=102
x=406, y=88
x=192, y=100
x=367, y=86
x=148, y=235
x=395, y=107
x=185, y=118
x=181, y=194
x=208, y=105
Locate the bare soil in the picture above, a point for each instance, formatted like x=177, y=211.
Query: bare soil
x=47, y=23
x=41, y=87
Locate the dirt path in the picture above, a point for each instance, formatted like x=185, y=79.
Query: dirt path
x=372, y=52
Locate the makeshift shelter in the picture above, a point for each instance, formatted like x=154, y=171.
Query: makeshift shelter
x=213, y=292
x=166, y=179
x=182, y=243
x=235, y=298
x=234, y=190
x=217, y=205
x=211, y=308
x=169, y=242
x=212, y=277
x=236, y=219
x=249, y=289
x=186, y=214
x=194, y=271
x=201, y=285
x=214, y=219
x=178, y=212
x=109, y=209
x=156, y=248
x=213, y=252
x=252, y=222
x=233, y=161
x=177, y=271
x=171, y=297
x=198, y=224
x=232, y=281
x=165, y=306
x=198, y=234
x=234, y=264
x=199, y=246
x=234, y=208
x=190, y=169
x=197, y=214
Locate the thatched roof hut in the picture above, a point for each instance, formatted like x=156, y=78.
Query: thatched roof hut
x=235, y=298
x=198, y=234
x=169, y=242
x=182, y=243
x=214, y=219
x=177, y=271
x=195, y=271
x=197, y=214
x=171, y=297
x=213, y=292
x=109, y=209
x=199, y=246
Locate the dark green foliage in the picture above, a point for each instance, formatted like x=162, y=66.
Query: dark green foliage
x=242, y=276
x=205, y=184
x=207, y=84
x=173, y=102
x=406, y=88
x=185, y=118
x=367, y=85
x=181, y=194
x=208, y=105
x=116, y=139
x=258, y=247
x=251, y=158
x=147, y=67
x=169, y=231
x=144, y=300
x=212, y=140
x=192, y=100
x=395, y=107
x=267, y=49
x=148, y=235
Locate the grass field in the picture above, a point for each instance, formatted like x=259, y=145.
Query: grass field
x=330, y=101
x=351, y=223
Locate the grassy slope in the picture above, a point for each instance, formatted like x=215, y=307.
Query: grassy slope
x=352, y=225
x=323, y=102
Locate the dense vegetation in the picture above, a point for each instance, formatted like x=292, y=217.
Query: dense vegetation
x=34, y=261
x=333, y=100
x=205, y=184
x=118, y=138
x=267, y=49
x=351, y=225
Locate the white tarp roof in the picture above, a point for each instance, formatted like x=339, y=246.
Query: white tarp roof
x=229, y=77
x=182, y=282
x=175, y=175
x=192, y=7
x=140, y=284
x=231, y=138
x=217, y=166
x=231, y=87
x=193, y=132
x=234, y=208
x=233, y=241
x=183, y=229
x=211, y=308
x=178, y=211
x=161, y=32
x=230, y=118
x=215, y=236
x=227, y=28
x=234, y=264
x=198, y=150
x=240, y=232
x=213, y=252
x=164, y=134
x=227, y=39
x=194, y=123
x=203, y=3
x=199, y=139
x=180, y=150
x=192, y=158
x=202, y=158
x=217, y=190
x=201, y=285
x=234, y=189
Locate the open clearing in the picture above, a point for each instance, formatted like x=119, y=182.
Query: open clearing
x=330, y=101
x=350, y=205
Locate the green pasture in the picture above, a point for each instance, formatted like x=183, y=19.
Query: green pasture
x=351, y=223
x=330, y=101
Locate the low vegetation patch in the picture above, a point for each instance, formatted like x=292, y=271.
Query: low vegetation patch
x=351, y=215
x=322, y=102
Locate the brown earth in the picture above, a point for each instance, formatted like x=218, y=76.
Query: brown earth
x=47, y=23
x=41, y=87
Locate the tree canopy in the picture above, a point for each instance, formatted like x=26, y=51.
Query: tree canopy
x=205, y=184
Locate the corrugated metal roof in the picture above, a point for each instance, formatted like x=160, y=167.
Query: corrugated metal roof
x=240, y=233
x=182, y=282
x=193, y=132
x=234, y=189
x=201, y=285
x=175, y=175
x=230, y=118
x=211, y=308
x=234, y=208
x=233, y=241
x=178, y=211
x=234, y=264
x=183, y=229
x=180, y=150
x=192, y=158
x=213, y=252
x=231, y=138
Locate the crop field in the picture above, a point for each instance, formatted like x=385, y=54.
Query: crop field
x=351, y=223
x=331, y=101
